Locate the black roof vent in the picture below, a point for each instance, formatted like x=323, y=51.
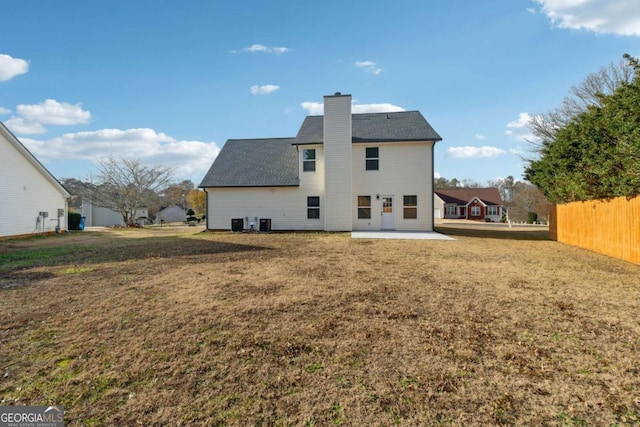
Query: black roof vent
x=337, y=94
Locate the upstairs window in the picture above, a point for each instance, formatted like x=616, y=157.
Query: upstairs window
x=372, y=158
x=309, y=160
x=364, y=207
x=410, y=207
x=313, y=207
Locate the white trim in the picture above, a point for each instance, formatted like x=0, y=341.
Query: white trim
x=32, y=159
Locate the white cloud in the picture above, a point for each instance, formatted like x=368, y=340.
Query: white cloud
x=437, y=174
x=317, y=108
x=4, y=110
x=52, y=112
x=264, y=89
x=480, y=137
x=531, y=10
x=11, y=67
x=32, y=118
x=620, y=17
x=314, y=108
x=266, y=49
x=186, y=158
x=519, y=129
x=467, y=152
x=375, y=108
x=521, y=122
x=368, y=66
x=21, y=126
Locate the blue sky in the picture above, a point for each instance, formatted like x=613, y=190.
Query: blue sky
x=169, y=82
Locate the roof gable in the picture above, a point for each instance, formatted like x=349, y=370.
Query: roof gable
x=373, y=127
x=15, y=142
x=462, y=196
x=254, y=163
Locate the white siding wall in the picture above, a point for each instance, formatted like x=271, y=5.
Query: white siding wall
x=25, y=192
x=439, y=209
x=286, y=206
x=337, y=151
x=96, y=216
x=404, y=169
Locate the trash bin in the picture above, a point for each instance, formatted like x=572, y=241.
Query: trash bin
x=265, y=224
x=237, y=224
x=81, y=224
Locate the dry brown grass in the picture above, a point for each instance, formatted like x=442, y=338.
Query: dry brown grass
x=175, y=328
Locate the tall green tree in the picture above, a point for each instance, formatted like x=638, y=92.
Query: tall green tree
x=597, y=153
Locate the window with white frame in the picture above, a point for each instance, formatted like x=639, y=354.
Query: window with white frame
x=313, y=207
x=364, y=207
x=475, y=210
x=492, y=210
x=309, y=160
x=451, y=211
x=372, y=158
x=410, y=207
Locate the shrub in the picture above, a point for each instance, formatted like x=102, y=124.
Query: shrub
x=531, y=217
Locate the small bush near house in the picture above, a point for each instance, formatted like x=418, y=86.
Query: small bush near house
x=532, y=217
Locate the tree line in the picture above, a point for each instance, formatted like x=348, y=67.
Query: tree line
x=590, y=146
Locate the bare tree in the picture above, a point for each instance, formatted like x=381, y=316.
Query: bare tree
x=603, y=82
x=126, y=185
x=527, y=198
x=505, y=187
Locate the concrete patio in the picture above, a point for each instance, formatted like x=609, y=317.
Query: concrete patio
x=400, y=235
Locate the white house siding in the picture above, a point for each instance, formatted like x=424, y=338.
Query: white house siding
x=285, y=206
x=404, y=169
x=96, y=216
x=439, y=208
x=337, y=153
x=25, y=192
x=171, y=214
x=312, y=183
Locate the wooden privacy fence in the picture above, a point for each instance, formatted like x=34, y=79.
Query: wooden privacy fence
x=610, y=227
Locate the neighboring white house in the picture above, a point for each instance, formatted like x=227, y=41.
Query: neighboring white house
x=33, y=201
x=173, y=213
x=342, y=172
x=97, y=216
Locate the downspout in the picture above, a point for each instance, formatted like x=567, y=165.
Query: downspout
x=66, y=215
x=206, y=205
x=433, y=183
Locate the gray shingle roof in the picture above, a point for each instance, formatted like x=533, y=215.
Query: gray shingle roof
x=374, y=127
x=274, y=162
x=254, y=163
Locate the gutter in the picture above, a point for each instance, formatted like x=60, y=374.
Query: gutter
x=206, y=206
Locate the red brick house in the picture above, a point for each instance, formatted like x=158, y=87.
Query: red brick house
x=479, y=204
